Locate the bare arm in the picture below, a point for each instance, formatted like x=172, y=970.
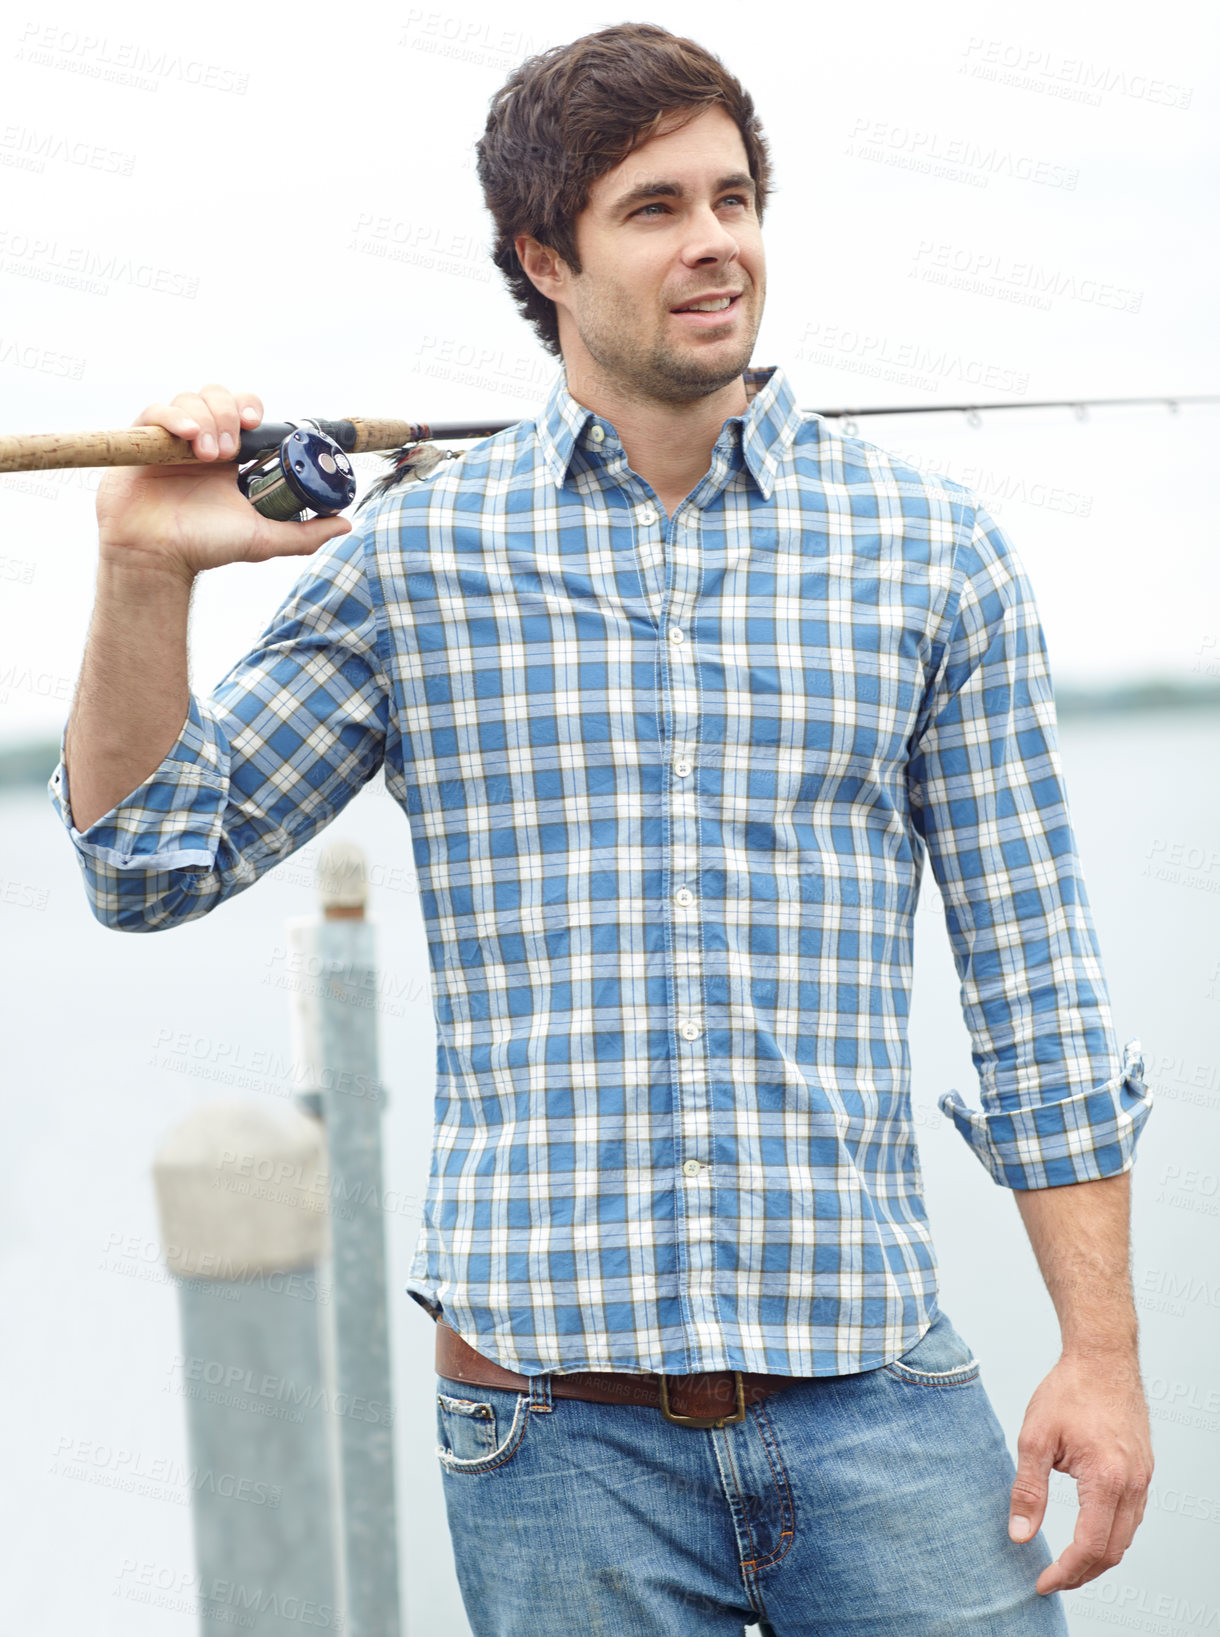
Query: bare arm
x=158, y=527
x=132, y=695
x=1089, y=1416
x=1081, y=1238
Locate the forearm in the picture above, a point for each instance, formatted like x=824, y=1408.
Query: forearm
x=133, y=693
x=1081, y=1238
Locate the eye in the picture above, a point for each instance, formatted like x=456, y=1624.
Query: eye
x=729, y=198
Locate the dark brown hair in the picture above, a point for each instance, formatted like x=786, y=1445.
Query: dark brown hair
x=571, y=114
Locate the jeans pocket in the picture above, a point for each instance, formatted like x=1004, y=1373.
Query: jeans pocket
x=478, y=1433
x=940, y=1358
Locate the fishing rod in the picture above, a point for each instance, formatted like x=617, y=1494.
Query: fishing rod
x=290, y=468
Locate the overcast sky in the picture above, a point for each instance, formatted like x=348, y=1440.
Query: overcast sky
x=1002, y=202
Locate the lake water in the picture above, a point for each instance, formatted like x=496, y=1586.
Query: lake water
x=112, y=1039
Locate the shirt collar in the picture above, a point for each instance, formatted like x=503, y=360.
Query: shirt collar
x=764, y=432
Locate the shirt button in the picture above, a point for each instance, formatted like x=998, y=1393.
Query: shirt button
x=688, y=1030
x=682, y=769
x=693, y=1167
x=677, y=634
x=648, y=515
x=684, y=896
x=596, y=434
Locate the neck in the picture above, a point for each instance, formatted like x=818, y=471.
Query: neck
x=669, y=445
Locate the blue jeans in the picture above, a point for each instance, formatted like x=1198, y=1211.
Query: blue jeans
x=868, y=1505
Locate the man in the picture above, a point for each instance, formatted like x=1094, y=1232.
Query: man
x=675, y=685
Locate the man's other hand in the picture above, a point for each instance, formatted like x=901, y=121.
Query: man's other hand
x=1087, y=1418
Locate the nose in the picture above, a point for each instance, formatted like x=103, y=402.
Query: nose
x=709, y=239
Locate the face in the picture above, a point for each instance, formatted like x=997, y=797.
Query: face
x=674, y=223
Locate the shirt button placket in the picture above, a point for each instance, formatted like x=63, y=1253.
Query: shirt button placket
x=693, y=1133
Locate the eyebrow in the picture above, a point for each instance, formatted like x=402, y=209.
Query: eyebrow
x=674, y=190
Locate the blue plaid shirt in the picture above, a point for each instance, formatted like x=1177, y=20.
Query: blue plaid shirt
x=670, y=783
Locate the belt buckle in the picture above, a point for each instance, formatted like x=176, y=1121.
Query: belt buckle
x=705, y=1420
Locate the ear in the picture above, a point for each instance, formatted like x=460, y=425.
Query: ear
x=544, y=268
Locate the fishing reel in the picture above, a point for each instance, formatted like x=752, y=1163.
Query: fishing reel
x=307, y=472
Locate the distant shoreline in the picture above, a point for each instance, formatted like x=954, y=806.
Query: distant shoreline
x=33, y=761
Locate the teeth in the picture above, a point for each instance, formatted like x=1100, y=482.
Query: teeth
x=707, y=306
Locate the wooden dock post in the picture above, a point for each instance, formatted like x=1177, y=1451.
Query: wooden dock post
x=242, y=1201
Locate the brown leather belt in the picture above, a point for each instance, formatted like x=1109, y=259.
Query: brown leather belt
x=715, y=1398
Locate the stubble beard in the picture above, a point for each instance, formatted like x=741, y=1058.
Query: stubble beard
x=661, y=373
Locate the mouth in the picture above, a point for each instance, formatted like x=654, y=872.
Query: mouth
x=723, y=310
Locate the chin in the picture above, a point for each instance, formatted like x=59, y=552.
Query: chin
x=716, y=371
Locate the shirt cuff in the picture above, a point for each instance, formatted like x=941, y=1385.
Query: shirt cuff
x=170, y=821
x=1079, y=1139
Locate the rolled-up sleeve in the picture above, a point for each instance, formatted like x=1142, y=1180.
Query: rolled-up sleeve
x=1060, y=1103
x=282, y=743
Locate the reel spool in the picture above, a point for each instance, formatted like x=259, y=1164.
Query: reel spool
x=309, y=472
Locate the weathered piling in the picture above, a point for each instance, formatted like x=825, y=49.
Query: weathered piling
x=242, y=1198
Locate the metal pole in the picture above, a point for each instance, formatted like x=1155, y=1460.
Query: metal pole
x=340, y=1039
